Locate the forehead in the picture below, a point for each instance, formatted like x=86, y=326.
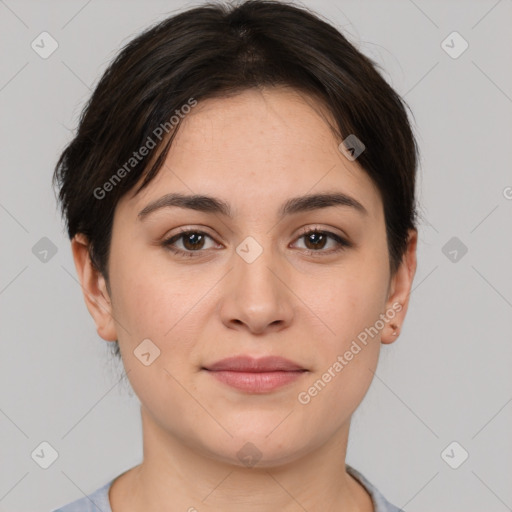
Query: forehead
x=259, y=143
x=275, y=123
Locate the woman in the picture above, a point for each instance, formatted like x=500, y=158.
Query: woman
x=240, y=203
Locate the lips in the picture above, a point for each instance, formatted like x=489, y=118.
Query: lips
x=251, y=365
x=252, y=375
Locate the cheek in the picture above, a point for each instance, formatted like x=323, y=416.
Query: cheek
x=348, y=347
x=151, y=305
x=139, y=303
x=147, y=297
x=170, y=308
x=346, y=301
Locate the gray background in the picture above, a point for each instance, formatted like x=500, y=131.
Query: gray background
x=447, y=378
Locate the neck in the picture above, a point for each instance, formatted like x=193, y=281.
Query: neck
x=174, y=473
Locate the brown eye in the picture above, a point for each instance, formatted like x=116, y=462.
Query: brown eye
x=316, y=240
x=191, y=241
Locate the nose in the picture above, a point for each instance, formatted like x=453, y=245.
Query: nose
x=256, y=295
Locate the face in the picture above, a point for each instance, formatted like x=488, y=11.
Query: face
x=255, y=275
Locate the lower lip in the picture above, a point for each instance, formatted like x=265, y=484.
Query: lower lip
x=256, y=382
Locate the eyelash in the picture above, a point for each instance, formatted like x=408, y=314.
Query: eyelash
x=342, y=243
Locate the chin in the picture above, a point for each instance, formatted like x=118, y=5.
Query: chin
x=258, y=449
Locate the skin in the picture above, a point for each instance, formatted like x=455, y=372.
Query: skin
x=254, y=150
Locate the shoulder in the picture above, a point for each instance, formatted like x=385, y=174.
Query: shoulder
x=380, y=503
x=98, y=500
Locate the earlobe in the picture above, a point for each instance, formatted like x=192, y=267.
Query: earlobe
x=96, y=296
x=401, y=284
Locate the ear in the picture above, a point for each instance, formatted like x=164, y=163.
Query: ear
x=94, y=288
x=400, y=290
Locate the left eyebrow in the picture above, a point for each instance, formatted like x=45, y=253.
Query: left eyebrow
x=318, y=201
x=209, y=204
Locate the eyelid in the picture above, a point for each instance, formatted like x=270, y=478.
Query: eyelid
x=316, y=227
x=203, y=230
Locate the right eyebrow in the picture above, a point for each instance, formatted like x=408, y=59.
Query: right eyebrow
x=197, y=202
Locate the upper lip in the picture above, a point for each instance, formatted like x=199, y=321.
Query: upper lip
x=251, y=364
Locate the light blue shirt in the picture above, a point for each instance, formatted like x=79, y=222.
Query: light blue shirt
x=98, y=501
